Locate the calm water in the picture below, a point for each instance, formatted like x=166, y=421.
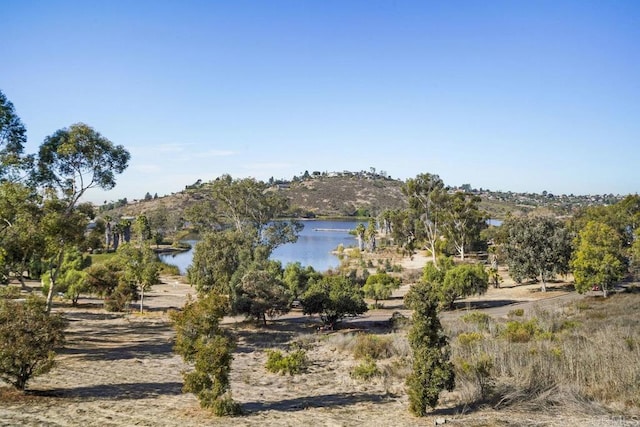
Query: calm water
x=314, y=246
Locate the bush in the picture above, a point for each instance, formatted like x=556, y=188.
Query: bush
x=294, y=363
x=519, y=312
x=121, y=296
x=366, y=370
x=9, y=292
x=469, y=338
x=516, y=331
x=28, y=338
x=373, y=347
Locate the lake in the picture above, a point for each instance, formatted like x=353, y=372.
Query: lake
x=315, y=243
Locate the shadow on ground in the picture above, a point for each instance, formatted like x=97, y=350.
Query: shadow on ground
x=322, y=401
x=114, y=391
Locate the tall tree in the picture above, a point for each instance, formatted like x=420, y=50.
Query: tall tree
x=13, y=137
x=598, y=259
x=70, y=162
x=21, y=234
x=427, y=198
x=537, y=248
x=463, y=221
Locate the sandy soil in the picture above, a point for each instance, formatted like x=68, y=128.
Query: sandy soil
x=119, y=370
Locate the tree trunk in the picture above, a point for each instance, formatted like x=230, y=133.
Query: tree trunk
x=604, y=291
x=141, y=298
x=52, y=283
x=543, y=288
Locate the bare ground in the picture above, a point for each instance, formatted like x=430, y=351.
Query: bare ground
x=119, y=370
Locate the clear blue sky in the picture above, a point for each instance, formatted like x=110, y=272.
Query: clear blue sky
x=514, y=95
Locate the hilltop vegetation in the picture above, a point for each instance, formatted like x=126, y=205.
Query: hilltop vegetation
x=344, y=194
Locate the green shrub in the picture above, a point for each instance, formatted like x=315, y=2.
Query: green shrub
x=28, y=338
x=372, y=346
x=225, y=406
x=294, y=363
x=518, y=312
x=366, y=370
x=9, y=292
x=517, y=331
x=469, y=338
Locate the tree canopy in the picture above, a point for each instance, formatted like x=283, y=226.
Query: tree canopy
x=537, y=248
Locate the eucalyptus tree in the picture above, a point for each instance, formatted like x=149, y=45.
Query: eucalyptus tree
x=21, y=235
x=402, y=225
x=463, y=221
x=13, y=137
x=242, y=214
x=70, y=162
x=427, y=197
x=537, y=248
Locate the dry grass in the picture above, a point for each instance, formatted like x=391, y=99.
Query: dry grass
x=582, y=358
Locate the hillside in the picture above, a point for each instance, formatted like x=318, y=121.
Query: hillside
x=322, y=196
x=361, y=194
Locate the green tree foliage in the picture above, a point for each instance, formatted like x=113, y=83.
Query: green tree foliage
x=432, y=371
x=72, y=279
x=28, y=338
x=249, y=207
x=297, y=278
x=201, y=341
x=537, y=249
x=262, y=293
x=380, y=286
x=403, y=227
x=70, y=162
x=461, y=281
x=13, y=137
x=244, y=231
x=216, y=259
x=463, y=221
x=140, y=267
x=598, y=259
x=449, y=281
x=78, y=158
x=21, y=235
x=142, y=229
x=333, y=298
x=427, y=198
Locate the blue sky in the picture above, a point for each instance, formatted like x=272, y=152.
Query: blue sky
x=515, y=95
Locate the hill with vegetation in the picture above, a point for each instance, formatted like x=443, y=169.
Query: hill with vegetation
x=346, y=194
